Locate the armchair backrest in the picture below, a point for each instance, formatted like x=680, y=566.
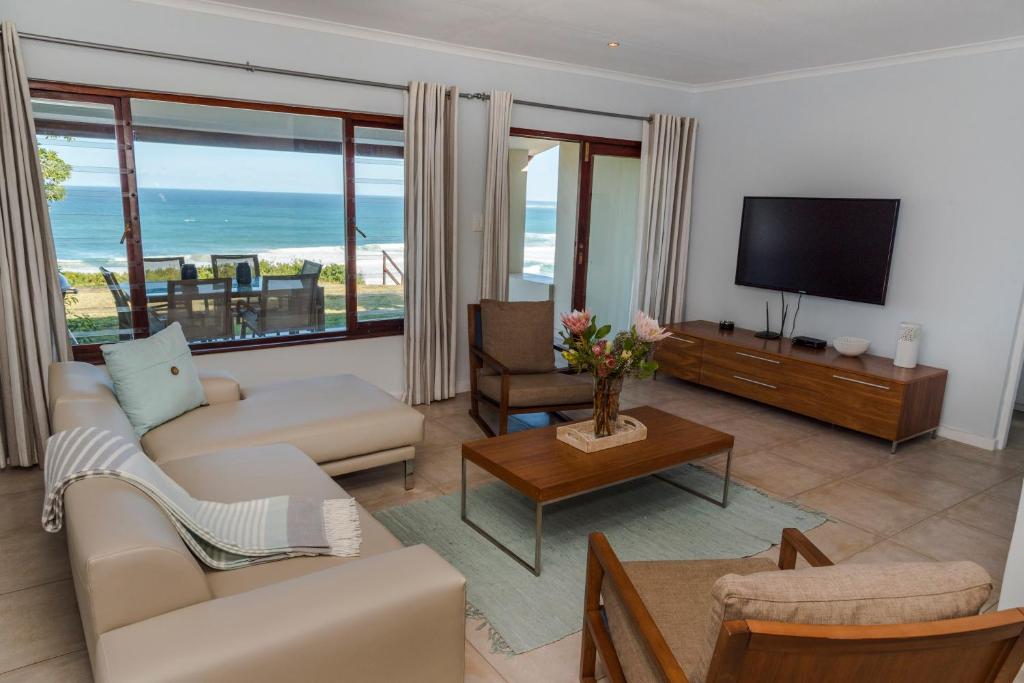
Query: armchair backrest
x=518, y=334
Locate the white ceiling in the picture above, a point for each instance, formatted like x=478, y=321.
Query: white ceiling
x=695, y=42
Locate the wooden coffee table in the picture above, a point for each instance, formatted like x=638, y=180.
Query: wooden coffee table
x=546, y=471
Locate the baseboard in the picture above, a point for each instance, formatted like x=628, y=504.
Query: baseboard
x=953, y=434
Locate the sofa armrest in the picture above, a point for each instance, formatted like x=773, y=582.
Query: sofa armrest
x=398, y=616
x=220, y=387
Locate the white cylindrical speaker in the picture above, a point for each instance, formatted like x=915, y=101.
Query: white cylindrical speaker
x=907, y=344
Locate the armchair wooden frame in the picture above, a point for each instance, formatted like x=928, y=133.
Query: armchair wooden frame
x=478, y=359
x=987, y=647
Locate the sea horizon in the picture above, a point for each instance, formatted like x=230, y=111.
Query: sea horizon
x=278, y=226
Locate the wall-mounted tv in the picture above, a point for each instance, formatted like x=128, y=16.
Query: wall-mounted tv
x=836, y=248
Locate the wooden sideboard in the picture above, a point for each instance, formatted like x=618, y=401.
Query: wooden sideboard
x=867, y=394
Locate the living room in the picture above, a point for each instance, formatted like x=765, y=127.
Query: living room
x=251, y=144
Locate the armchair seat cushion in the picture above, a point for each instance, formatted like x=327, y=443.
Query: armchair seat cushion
x=678, y=596
x=545, y=389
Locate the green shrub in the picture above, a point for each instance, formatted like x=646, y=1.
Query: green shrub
x=332, y=272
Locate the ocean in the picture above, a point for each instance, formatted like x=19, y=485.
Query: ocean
x=279, y=226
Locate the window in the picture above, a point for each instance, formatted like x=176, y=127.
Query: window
x=245, y=223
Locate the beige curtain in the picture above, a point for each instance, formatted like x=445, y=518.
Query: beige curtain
x=663, y=220
x=431, y=133
x=33, y=331
x=494, y=252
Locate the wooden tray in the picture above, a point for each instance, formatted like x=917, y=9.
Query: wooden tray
x=581, y=434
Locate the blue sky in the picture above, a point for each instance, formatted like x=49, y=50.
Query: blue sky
x=167, y=166
x=542, y=179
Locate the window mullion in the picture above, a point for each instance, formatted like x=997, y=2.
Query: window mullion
x=351, y=276
x=133, y=226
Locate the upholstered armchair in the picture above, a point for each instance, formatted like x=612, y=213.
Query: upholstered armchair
x=512, y=363
x=744, y=620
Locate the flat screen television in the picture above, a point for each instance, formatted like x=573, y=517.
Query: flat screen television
x=836, y=248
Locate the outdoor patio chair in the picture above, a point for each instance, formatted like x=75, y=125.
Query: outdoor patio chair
x=287, y=304
x=160, y=268
x=225, y=265
x=122, y=304
x=201, y=307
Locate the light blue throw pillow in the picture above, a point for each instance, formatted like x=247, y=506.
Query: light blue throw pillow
x=154, y=378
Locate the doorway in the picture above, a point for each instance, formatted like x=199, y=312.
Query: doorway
x=572, y=221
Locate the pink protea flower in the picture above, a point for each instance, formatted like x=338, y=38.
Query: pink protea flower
x=576, y=322
x=647, y=328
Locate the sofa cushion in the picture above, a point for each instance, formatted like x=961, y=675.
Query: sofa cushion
x=853, y=594
x=552, y=388
x=279, y=469
x=154, y=378
x=329, y=418
x=519, y=334
x=678, y=597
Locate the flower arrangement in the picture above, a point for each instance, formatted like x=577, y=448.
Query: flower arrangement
x=628, y=353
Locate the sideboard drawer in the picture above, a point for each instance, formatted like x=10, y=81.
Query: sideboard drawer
x=777, y=370
x=746, y=384
x=864, y=403
x=680, y=356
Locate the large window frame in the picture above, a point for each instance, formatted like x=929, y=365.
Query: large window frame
x=120, y=99
x=590, y=146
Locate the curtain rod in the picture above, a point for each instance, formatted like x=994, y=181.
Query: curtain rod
x=254, y=68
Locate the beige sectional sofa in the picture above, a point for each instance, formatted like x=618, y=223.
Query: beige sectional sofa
x=151, y=612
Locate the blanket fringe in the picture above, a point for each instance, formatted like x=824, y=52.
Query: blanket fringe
x=341, y=527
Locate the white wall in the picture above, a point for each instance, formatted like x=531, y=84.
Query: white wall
x=173, y=30
x=945, y=136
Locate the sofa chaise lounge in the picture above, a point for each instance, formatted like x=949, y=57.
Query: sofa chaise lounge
x=151, y=612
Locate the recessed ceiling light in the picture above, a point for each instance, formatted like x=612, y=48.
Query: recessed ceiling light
x=613, y=43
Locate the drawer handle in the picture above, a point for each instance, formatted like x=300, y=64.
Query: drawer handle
x=860, y=381
x=765, y=360
x=754, y=381
x=682, y=339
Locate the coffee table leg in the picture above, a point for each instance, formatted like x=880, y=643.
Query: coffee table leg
x=725, y=488
x=537, y=536
x=538, y=521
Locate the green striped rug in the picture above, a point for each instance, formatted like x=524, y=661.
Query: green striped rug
x=645, y=519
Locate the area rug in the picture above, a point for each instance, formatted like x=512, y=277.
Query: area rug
x=646, y=519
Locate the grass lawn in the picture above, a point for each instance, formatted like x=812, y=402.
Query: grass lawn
x=93, y=318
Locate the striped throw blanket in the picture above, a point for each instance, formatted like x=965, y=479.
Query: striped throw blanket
x=222, y=535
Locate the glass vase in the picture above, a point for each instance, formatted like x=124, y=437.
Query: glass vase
x=606, y=405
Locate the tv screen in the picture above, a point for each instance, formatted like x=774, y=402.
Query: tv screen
x=836, y=248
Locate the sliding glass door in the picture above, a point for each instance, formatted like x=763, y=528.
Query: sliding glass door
x=613, y=185
x=572, y=221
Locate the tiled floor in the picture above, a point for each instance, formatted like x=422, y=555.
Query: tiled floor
x=935, y=499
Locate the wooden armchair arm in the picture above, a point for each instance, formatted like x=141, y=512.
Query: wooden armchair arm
x=793, y=543
x=487, y=359
x=602, y=563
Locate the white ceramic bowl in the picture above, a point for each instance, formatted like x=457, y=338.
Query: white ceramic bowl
x=851, y=346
